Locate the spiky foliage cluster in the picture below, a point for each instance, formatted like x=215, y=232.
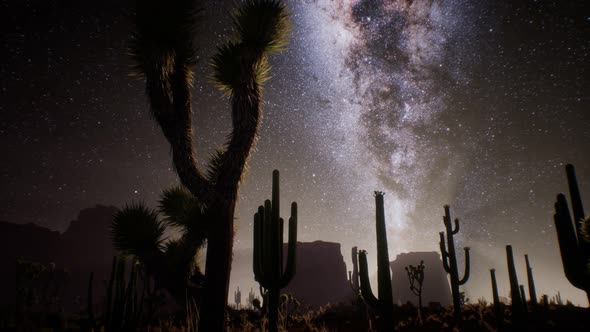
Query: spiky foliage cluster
x=261, y=29
x=163, y=37
x=139, y=231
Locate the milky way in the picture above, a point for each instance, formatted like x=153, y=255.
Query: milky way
x=474, y=104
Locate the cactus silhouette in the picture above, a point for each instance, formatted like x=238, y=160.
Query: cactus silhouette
x=123, y=305
x=163, y=50
x=416, y=278
x=498, y=311
x=449, y=259
x=384, y=304
x=523, y=298
x=268, y=250
x=238, y=297
x=353, y=276
x=531, y=281
x=517, y=304
x=574, y=242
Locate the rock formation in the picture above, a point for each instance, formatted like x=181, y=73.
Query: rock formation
x=321, y=275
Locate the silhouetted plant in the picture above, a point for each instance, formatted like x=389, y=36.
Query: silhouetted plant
x=498, y=310
x=416, y=278
x=523, y=298
x=384, y=304
x=268, y=250
x=238, y=297
x=353, y=276
x=138, y=231
x=123, y=307
x=164, y=54
x=574, y=242
x=531, y=281
x=517, y=305
x=449, y=259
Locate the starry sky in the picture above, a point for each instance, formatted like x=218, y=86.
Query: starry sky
x=476, y=104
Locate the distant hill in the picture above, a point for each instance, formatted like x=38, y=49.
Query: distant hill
x=83, y=248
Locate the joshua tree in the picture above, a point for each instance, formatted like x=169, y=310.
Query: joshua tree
x=449, y=259
x=138, y=231
x=384, y=304
x=353, y=276
x=573, y=235
x=416, y=277
x=268, y=250
x=531, y=281
x=164, y=55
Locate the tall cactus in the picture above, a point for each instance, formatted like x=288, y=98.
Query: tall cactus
x=531, y=281
x=497, y=305
x=517, y=304
x=574, y=240
x=353, y=276
x=384, y=304
x=268, y=250
x=449, y=259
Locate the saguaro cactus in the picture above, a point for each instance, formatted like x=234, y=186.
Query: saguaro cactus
x=497, y=305
x=515, y=294
x=383, y=304
x=449, y=259
x=268, y=250
x=573, y=235
x=353, y=276
x=531, y=281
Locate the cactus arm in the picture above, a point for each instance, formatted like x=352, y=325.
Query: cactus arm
x=267, y=244
x=365, y=285
x=291, y=248
x=281, y=254
x=457, y=227
x=258, y=250
x=467, y=267
x=575, y=196
x=571, y=255
x=531, y=281
x=444, y=253
x=275, y=195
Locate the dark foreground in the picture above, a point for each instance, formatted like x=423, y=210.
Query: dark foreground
x=344, y=318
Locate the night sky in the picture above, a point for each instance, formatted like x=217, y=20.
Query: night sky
x=476, y=104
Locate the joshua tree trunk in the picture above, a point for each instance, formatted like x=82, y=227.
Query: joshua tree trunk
x=217, y=271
